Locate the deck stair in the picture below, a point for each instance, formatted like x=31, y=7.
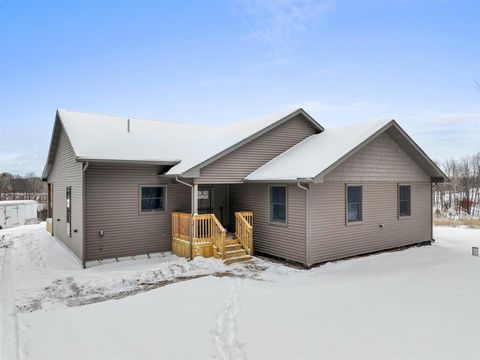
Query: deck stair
x=234, y=252
x=203, y=235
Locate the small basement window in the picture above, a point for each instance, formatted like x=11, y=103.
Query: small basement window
x=278, y=204
x=152, y=198
x=404, y=201
x=354, y=203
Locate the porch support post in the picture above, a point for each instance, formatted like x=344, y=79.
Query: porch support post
x=195, y=199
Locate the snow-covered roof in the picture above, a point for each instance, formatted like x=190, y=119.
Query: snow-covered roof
x=96, y=137
x=319, y=153
x=189, y=147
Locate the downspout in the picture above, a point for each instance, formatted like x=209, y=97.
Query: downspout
x=191, y=212
x=84, y=169
x=85, y=166
x=432, y=185
x=307, y=222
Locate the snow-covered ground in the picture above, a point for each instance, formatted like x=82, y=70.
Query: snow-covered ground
x=421, y=302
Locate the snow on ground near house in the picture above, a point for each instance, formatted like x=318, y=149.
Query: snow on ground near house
x=417, y=303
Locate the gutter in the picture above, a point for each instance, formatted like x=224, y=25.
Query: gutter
x=307, y=220
x=191, y=212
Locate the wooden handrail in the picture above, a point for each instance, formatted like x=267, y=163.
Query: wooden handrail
x=218, y=236
x=200, y=229
x=244, y=230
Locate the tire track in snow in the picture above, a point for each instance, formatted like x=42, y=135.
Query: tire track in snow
x=8, y=313
x=225, y=334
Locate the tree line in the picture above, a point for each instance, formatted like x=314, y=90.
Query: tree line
x=17, y=187
x=460, y=196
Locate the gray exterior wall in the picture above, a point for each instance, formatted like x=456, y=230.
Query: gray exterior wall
x=378, y=167
x=233, y=167
x=285, y=241
x=67, y=172
x=112, y=205
x=331, y=238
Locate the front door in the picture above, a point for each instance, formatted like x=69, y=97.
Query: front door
x=205, y=201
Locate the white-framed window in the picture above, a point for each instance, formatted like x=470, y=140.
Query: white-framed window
x=404, y=200
x=354, y=204
x=68, y=203
x=278, y=204
x=152, y=198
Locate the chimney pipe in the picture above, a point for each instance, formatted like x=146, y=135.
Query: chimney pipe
x=128, y=125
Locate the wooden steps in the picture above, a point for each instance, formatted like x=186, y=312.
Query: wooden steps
x=237, y=259
x=234, y=252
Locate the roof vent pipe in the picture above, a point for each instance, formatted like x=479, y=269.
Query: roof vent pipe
x=128, y=125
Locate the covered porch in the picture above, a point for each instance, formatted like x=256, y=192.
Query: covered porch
x=211, y=230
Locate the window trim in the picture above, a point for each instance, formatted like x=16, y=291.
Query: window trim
x=403, y=217
x=68, y=211
x=355, y=222
x=270, y=220
x=165, y=202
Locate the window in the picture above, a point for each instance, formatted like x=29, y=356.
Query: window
x=278, y=204
x=404, y=204
x=50, y=201
x=354, y=203
x=68, y=198
x=152, y=198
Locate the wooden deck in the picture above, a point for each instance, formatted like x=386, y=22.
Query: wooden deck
x=203, y=235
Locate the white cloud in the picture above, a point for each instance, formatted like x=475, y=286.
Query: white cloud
x=316, y=106
x=21, y=161
x=277, y=20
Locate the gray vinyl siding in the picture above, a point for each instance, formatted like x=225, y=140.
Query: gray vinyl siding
x=378, y=167
x=235, y=166
x=112, y=205
x=331, y=238
x=381, y=160
x=67, y=172
x=288, y=241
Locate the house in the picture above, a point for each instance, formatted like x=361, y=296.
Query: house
x=283, y=184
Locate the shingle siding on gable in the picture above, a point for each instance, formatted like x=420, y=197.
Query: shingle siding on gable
x=67, y=172
x=233, y=167
x=381, y=160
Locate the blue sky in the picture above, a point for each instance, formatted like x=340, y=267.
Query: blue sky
x=222, y=61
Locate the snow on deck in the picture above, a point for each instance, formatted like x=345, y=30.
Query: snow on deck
x=417, y=303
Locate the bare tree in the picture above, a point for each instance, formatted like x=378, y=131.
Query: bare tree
x=462, y=194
